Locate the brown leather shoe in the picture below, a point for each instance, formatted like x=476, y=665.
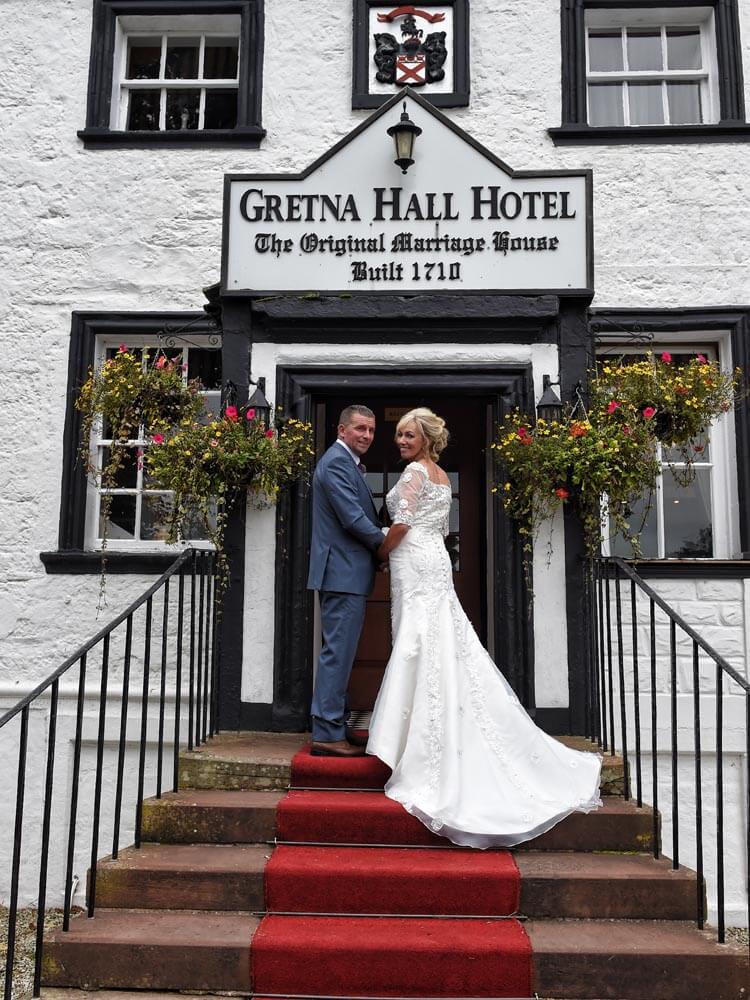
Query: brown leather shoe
x=335, y=748
x=357, y=737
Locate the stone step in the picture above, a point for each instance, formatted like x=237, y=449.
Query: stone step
x=211, y=817
x=605, y=886
x=184, y=876
x=262, y=762
x=634, y=960
x=572, y=959
x=152, y=950
x=371, y=818
x=202, y=816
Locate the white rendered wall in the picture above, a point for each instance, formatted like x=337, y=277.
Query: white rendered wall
x=140, y=229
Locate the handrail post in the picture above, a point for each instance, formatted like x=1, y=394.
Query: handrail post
x=16, y=863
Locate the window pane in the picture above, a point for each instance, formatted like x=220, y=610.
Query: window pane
x=700, y=446
x=155, y=511
x=126, y=477
x=220, y=59
x=644, y=49
x=221, y=109
x=605, y=104
x=687, y=517
x=605, y=51
x=144, y=58
x=143, y=110
x=453, y=516
x=182, y=59
x=683, y=48
x=193, y=528
x=646, y=106
x=649, y=541
x=684, y=103
x=205, y=365
x=453, y=476
x=182, y=109
x=121, y=522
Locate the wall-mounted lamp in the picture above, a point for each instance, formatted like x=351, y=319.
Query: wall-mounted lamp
x=259, y=403
x=404, y=135
x=549, y=407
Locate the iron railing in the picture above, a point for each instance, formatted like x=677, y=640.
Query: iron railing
x=177, y=666
x=636, y=642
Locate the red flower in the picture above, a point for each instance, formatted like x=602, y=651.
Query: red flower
x=626, y=429
x=649, y=412
x=160, y=361
x=250, y=415
x=578, y=429
x=269, y=433
x=562, y=493
x=231, y=413
x=523, y=435
x=121, y=349
x=666, y=357
x=703, y=359
x=613, y=405
x=157, y=438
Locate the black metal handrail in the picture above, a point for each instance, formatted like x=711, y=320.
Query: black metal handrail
x=605, y=694
x=195, y=628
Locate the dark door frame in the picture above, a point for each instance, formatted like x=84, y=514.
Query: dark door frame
x=297, y=389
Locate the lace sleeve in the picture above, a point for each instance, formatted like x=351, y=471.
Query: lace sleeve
x=408, y=491
x=446, y=523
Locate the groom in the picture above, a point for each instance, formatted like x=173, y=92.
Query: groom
x=345, y=536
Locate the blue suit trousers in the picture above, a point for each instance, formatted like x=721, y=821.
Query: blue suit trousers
x=341, y=618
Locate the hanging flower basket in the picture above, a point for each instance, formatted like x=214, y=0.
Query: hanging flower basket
x=601, y=461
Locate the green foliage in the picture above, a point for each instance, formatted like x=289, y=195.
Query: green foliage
x=603, y=462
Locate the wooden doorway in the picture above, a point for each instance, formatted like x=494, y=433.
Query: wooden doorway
x=465, y=462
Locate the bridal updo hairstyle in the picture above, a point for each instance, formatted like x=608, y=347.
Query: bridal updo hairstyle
x=430, y=426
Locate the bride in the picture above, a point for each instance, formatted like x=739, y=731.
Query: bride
x=465, y=757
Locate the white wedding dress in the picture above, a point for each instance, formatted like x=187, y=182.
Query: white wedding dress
x=466, y=758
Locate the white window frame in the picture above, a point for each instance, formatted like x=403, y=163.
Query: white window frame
x=663, y=18
x=176, y=26
x=94, y=492
x=723, y=490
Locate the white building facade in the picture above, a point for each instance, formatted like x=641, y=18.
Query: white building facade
x=605, y=142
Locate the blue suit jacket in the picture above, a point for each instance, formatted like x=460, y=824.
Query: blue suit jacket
x=345, y=530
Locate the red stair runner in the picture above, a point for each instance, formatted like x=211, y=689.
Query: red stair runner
x=335, y=772
x=391, y=880
x=391, y=956
x=429, y=938
x=349, y=818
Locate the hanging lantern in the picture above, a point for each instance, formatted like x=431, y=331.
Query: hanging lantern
x=404, y=135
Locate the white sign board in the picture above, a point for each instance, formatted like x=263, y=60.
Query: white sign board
x=459, y=220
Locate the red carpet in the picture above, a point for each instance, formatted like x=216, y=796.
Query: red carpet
x=391, y=880
x=392, y=956
x=404, y=951
x=349, y=818
x=335, y=772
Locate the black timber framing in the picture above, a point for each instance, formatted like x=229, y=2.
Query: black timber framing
x=298, y=388
x=574, y=128
x=71, y=556
x=611, y=324
x=248, y=132
x=368, y=319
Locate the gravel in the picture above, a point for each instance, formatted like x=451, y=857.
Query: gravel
x=23, y=965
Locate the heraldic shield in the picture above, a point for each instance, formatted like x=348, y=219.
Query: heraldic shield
x=415, y=58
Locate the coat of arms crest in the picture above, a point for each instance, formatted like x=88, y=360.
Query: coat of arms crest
x=415, y=59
